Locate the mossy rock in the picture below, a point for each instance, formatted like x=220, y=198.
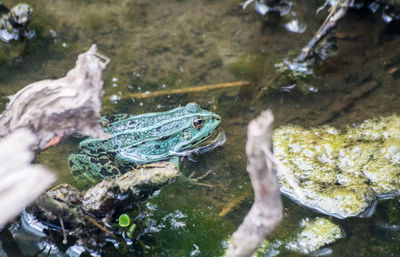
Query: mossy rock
x=341, y=173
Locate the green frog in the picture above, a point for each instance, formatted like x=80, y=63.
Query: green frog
x=142, y=139
x=14, y=23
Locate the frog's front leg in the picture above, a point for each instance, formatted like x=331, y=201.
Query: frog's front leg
x=175, y=160
x=89, y=170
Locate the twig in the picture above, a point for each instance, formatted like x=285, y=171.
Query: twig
x=266, y=211
x=231, y=205
x=186, y=90
x=94, y=222
x=338, y=11
x=65, y=241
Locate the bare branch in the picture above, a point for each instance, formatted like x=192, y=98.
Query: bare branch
x=266, y=211
x=337, y=12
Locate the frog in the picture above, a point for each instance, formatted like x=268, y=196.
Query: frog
x=15, y=22
x=142, y=139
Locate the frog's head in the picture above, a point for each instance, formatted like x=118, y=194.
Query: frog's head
x=20, y=16
x=198, y=126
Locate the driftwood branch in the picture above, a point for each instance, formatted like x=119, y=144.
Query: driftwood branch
x=40, y=115
x=21, y=182
x=266, y=211
x=337, y=12
x=53, y=109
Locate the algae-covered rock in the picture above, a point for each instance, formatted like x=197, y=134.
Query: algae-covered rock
x=314, y=234
x=341, y=173
x=311, y=235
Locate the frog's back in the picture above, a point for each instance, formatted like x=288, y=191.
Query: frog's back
x=150, y=137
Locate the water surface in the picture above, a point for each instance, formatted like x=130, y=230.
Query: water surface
x=170, y=44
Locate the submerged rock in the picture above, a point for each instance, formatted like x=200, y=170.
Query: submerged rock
x=14, y=24
x=128, y=189
x=309, y=238
x=341, y=173
x=314, y=234
x=88, y=217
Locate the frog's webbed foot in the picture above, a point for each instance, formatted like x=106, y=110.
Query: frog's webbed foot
x=195, y=181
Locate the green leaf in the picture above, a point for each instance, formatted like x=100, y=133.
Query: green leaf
x=124, y=220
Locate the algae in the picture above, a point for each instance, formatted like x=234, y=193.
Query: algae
x=311, y=235
x=341, y=173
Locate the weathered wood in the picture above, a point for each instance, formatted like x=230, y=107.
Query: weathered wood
x=21, y=181
x=58, y=108
x=40, y=115
x=266, y=211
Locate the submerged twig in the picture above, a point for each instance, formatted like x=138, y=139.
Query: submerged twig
x=98, y=225
x=65, y=241
x=187, y=90
x=230, y=206
x=266, y=211
x=338, y=11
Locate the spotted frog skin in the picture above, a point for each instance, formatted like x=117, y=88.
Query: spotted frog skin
x=141, y=139
x=14, y=23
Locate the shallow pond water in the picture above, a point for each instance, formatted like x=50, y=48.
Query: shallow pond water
x=172, y=44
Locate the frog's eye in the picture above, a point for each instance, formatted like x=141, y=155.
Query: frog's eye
x=198, y=123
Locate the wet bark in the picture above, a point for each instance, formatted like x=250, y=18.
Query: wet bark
x=21, y=182
x=57, y=108
x=40, y=115
x=266, y=211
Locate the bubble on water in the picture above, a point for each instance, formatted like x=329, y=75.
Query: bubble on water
x=115, y=98
x=53, y=33
x=313, y=89
x=196, y=251
x=295, y=26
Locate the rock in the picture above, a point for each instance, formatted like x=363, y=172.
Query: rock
x=121, y=193
x=129, y=188
x=341, y=173
x=314, y=234
x=308, y=238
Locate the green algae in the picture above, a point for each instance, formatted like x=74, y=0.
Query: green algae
x=341, y=173
x=311, y=235
x=314, y=234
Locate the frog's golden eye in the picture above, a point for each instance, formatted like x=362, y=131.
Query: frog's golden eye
x=198, y=123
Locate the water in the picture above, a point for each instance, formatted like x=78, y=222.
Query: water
x=172, y=44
